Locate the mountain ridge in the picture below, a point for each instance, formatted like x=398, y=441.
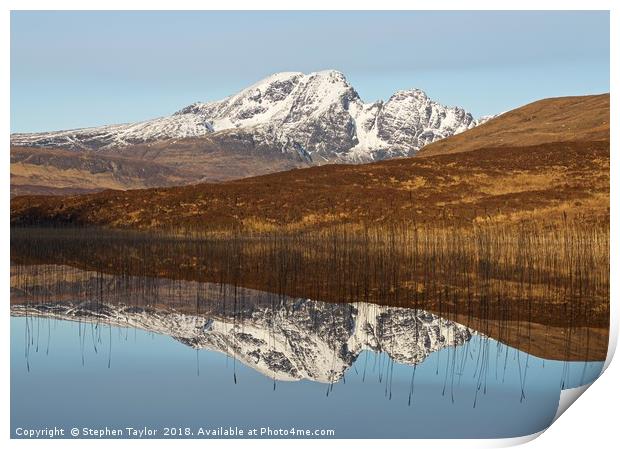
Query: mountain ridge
x=318, y=116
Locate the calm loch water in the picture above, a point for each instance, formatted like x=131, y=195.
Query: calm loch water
x=372, y=371
x=98, y=345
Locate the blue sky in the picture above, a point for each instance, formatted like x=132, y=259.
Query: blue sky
x=75, y=69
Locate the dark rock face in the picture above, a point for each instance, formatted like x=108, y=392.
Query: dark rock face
x=409, y=120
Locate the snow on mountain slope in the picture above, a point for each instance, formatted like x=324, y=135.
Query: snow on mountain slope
x=303, y=339
x=111, y=136
x=318, y=116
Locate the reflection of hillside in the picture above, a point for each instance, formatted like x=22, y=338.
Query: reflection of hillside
x=184, y=309
x=558, y=277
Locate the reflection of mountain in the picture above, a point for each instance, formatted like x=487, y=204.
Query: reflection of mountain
x=290, y=340
x=199, y=292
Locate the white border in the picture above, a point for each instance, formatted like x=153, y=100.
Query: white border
x=592, y=422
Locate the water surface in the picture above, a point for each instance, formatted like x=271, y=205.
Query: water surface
x=367, y=374
x=397, y=336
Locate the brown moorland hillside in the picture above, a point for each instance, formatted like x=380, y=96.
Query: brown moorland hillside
x=56, y=171
x=552, y=120
x=540, y=183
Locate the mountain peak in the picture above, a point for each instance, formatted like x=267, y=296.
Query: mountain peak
x=317, y=116
x=277, y=77
x=414, y=92
x=330, y=74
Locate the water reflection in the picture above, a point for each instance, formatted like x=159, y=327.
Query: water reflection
x=365, y=374
x=122, y=333
x=290, y=340
x=546, y=293
x=283, y=338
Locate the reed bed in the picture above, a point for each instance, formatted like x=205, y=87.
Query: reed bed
x=558, y=275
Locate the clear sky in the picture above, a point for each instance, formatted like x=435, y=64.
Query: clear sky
x=76, y=69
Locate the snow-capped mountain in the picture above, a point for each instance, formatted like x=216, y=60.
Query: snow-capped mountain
x=303, y=339
x=317, y=117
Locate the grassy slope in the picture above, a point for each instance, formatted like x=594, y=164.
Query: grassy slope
x=60, y=171
x=552, y=120
x=509, y=184
x=158, y=164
